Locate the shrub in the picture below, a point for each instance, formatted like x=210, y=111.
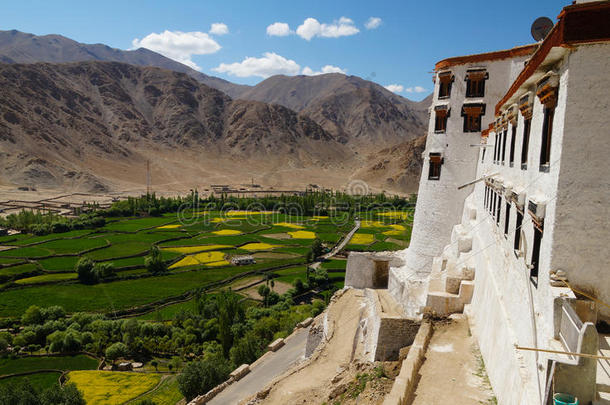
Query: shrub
x=154, y=262
x=84, y=268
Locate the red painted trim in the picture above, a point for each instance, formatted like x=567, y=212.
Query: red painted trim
x=579, y=23
x=489, y=56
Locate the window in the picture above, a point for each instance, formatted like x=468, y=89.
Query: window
x=526, y=140
x=483, y=150
x=547, y=131
x=440, y=122
x=472, y=117
x=506, y=219
x=434, y=170
x=517, y=240
x=547, y=93
x=498, y=208
x=475, y=83
x=535, y=263
x=444, y=86
x=496, y=143
x=513, y=139
x=503, y=147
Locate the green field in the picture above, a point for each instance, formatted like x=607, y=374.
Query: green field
x=23, y=364
x=124, y=242
x=40, y=381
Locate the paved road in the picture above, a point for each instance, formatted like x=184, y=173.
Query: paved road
x=264, y=372
x=339, y=246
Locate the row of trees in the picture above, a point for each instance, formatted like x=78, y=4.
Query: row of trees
x=40, y=223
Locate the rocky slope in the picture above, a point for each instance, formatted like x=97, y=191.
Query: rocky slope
x=21, y=47
x=91, y=123
x=355, y=110
x=397, y=167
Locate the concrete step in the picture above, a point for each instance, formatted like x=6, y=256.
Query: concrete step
x=603, y=366
x=444, y=303
x=603, y=399
x=466, y=291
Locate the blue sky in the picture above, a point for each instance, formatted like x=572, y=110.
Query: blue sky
x=400, y=48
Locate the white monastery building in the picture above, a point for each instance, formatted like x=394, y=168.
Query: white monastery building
x=512, y=223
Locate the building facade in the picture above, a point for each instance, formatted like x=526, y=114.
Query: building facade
x=512, y=218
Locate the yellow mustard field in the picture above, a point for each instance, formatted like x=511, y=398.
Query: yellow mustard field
x=213, y=258
x=362, y=239
x=112, y=388
x=302, y=235
x=395, y=214
x=258, y=246
x=227, y=232
x=171, y=226
x=372, y=224
x=238, y=212
x=194, y=249
x=289, y=225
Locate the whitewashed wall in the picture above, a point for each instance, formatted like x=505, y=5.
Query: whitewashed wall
x=575, y=228
x=440, y=203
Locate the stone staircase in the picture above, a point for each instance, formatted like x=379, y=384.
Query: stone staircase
x=603, y=371
x=452, y=277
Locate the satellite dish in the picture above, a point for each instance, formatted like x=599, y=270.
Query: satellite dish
x=541, y=27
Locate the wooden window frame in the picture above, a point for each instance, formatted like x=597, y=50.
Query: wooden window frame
x=547, y=135
x=513, y=140
x=506, y=218
x=475, y=83
x=444, y=85
x=435, y=161
x=504, y=137
x=527, y=126
x=440, y=120
x=518, y=224
x=473, y=114
x=535, y=261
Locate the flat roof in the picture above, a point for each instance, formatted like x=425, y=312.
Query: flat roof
x=524, y=50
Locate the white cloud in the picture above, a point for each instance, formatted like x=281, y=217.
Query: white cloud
x=395, y=88
x=278, y=29
x=179, y=46
x=416, y=89
x=270, y=64
x=219, y=29
x=312, y=28
x=372, y=23
x=325, y=69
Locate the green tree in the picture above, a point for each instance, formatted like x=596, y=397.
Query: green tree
x=32, y=316
x=84, y=269
x=116, y=351
x=103, y=270
x=201, y=376
x=247, y=349
x=264, y=292
x=229, y=312
x=154, y=262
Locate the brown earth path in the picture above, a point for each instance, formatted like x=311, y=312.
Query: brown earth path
x=453, y=372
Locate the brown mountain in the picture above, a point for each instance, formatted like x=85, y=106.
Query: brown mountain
x=396, y=168
x=357, y=111
x=93, y=125
x=21, y=47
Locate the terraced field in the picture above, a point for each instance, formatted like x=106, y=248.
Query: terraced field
x=39, y=369
x=39, y=270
